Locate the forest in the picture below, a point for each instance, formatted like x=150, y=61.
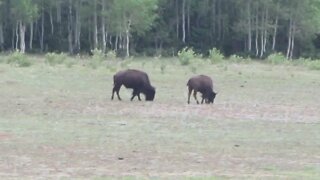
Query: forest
x=250, y=28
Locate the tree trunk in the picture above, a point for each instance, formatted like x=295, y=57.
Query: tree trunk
x=31, y=36
x=177, y=18
x=103, y=28
x=292, y=39
x=116, y=43
x=275, y=34
x=42, y=31
x=58, y=11
x=51, y=21
x=17, y=35
x=249, y=27
x=70, y=28
x=188, y=20
x=289, y=38
x=1, y=37
x=77, y=29
x=22, y=28
x=183, y=21
x=257, y=33
x=95, y=26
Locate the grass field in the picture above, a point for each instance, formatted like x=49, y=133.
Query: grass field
x=59, y=122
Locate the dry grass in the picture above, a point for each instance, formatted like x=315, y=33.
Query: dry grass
x=59, y=122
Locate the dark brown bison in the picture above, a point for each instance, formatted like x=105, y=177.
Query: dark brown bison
x=204, y=85
x=136, y=80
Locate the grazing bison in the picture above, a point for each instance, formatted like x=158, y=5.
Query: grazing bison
x=136, y=80
x=202, y=84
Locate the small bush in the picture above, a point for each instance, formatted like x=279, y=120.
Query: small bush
x=98, y=55
x=19, y=59
x=53, y=58
x=277, y=58
x=70, y=63
x=186, y=55
x=215, y=55
x=111, y=55
x=313, y=65
x=238, y=59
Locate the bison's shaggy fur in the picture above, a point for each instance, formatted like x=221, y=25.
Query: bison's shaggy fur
x=204, y=85
x=136, y=80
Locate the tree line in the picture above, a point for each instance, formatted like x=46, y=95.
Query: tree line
x=254, y=28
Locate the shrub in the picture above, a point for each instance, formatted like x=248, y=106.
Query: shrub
x=313, y=65
x=98, y=55
x=277, y=58
x=186, y=55
x=19, y=59
x=238, y=59
x=70, y=63
x=53, y=58
x=111, y=55
x=215, y=55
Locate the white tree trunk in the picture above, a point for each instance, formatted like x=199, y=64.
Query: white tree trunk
x=116, y=43
x=31, y=36
x=249, y=27
x=1, y=37
x=22, y=28
x=95, y=26
x=183, y=21
x=42, y=31
x=293, y=39
x=257, y=33
x=51, y=21
x=128, y=43
x=77, y=29
x=177, y=18
x=275, y=33
x=103, y=28
x=289, y=38
x=17, y=35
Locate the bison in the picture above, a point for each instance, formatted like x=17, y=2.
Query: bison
x=204, y=85
x=136, y=80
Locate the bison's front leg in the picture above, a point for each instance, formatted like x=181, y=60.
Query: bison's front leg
x=134, y=94
x=195, y=96
x=202, y=100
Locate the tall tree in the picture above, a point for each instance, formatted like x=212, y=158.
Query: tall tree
x=23, y=12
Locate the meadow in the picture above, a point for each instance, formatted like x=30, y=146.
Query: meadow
x=57, y=121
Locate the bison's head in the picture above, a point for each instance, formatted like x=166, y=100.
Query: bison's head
x=150, y=92
x=211, y=97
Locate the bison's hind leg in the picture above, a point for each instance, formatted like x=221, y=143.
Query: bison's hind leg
x=116, y=89
x=189, y=94
x=195, y=96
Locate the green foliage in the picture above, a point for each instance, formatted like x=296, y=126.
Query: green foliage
x=186, y=55
x=277, y=58
x=98, y=55
x=19, y=59
x=238, y=59
x=215, y=55
x=97, y=58
x=111, y=55
x=313, y=65
x=53, y=58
